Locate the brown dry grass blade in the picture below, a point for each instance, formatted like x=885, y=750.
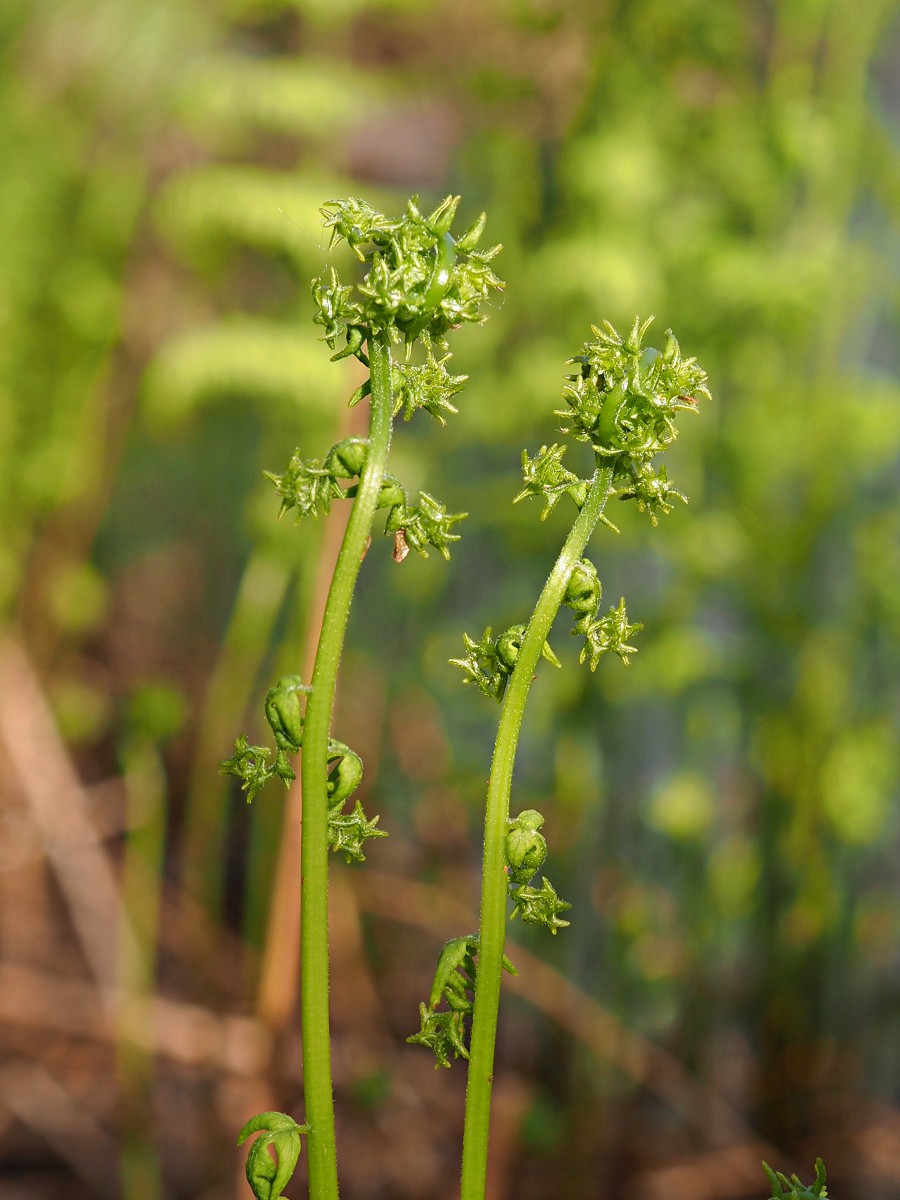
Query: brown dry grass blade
x=59, y=808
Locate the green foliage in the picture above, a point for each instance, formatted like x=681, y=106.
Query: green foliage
x=420, y=283
x=71, y=211
x=732, y=170
x=232, y=97
x=623, y=401
x=743, y=187
x=792, y=1189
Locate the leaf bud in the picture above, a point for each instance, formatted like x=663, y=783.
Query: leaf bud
x=441, y=219
x=356, y=335
x=526, y=848
x=346, y=774
x=277, y=1131
x=583, y=591
x=284, y=712
x=529, y=818
x=469, y=239
x=392, y=493
x=347, y=459
x=508, y=646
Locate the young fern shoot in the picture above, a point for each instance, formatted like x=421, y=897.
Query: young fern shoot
x=622, y=399
x=420, y=283
x=792, y=1189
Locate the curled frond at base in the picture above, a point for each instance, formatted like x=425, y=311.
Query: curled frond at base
x=526, y=851
x=347, y=832
x=277, y=1131
x=526, y=846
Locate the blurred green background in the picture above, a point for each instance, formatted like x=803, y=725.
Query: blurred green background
x=721, y=813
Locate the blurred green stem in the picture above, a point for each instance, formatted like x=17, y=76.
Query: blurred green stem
x=494, y=878
x=323, y=1183
x=142, y=874
x=261, y=593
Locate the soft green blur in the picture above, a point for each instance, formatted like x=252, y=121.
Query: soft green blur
x=723, y=812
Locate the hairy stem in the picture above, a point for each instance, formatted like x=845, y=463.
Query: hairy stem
x=323, y=1184
x=494, y=878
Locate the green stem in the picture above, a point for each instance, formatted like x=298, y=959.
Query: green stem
x=139, y=914
x=323, y=1184
x=494, y=878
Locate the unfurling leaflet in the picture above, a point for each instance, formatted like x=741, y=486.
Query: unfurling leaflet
x=309, y=486
x=489, y=663
x=792, y=1189
x=526, y=850
x=544, y=475
x=443, y=1031
x=347, y=832
x=266, y=1175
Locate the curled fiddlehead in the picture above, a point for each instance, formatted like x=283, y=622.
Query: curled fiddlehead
x=347, y=832
x=277, y=1132
x=443, y=1031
